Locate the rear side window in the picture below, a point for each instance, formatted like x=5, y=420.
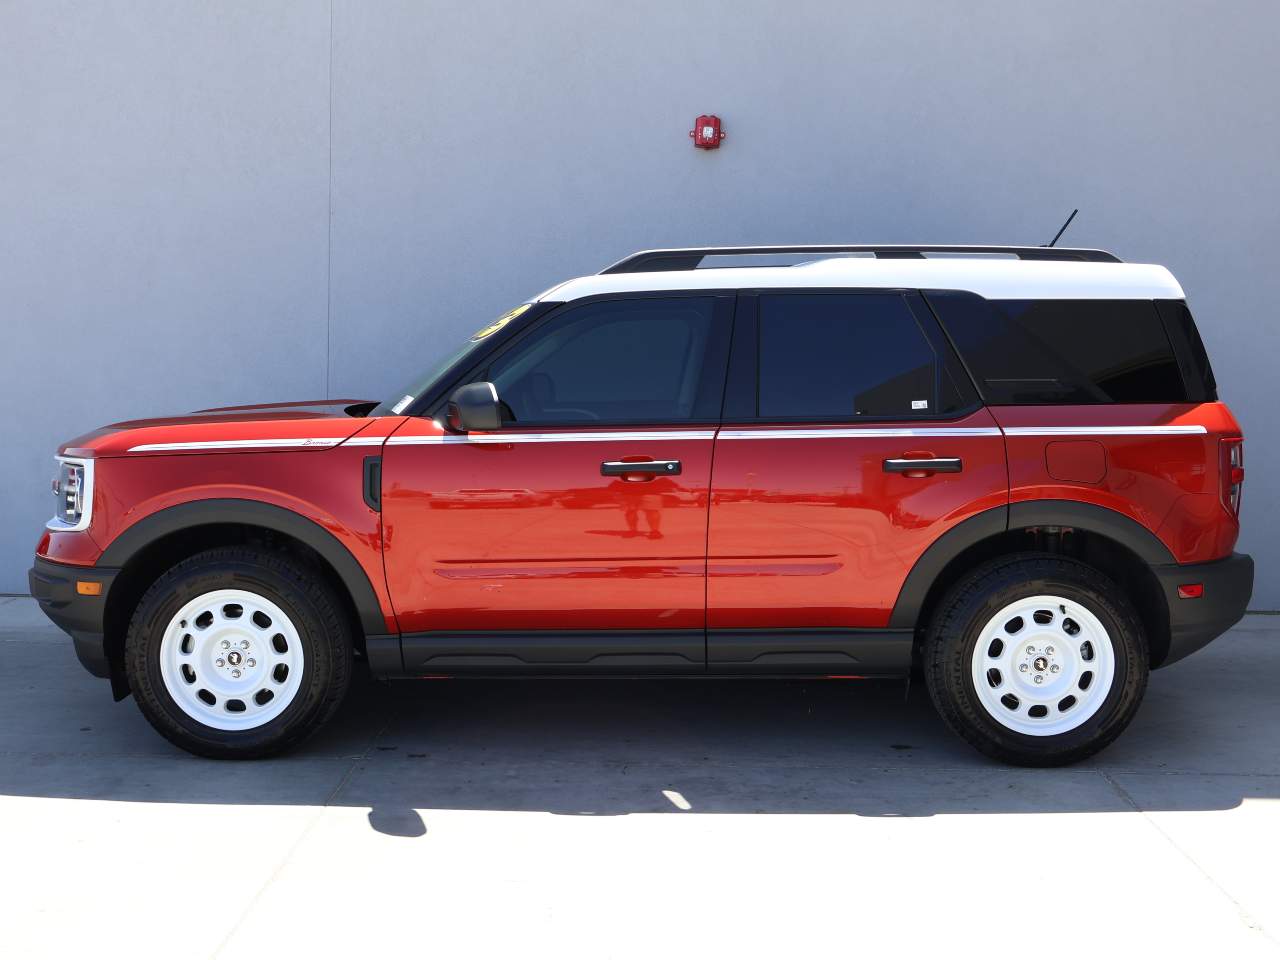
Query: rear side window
x=840, y=357
x=1063, y=351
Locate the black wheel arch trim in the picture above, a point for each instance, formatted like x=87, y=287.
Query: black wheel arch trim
x=254, y=513
x=1019, y=516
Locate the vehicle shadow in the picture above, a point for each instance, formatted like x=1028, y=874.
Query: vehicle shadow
x=1205, y=739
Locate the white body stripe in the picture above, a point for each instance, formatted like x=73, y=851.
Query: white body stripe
x=365, y=442
x=554, y=437
x=857, y=433
x=313, y=442
x=769, y=433
x=1178, y=429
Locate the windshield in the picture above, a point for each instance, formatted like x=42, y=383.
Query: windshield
x=404, y=399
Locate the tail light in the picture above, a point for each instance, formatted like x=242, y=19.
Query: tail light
x=1232, y=472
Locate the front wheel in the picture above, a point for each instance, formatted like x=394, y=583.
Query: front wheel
x=238, y=653
x=1036, y=660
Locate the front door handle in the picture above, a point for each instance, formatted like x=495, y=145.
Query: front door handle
x=640, y=469
x=923, y=466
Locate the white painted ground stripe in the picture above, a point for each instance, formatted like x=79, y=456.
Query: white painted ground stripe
x=1181, y=429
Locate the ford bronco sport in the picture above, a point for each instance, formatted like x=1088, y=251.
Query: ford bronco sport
x=1004, y=467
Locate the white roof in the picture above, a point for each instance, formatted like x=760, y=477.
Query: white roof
x=993, y=278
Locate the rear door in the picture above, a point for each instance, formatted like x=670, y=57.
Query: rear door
x=574, y=538
x=851, y=442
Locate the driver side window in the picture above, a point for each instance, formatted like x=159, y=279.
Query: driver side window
x=614, y=361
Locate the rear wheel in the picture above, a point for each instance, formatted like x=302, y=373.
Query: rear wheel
x=1036, y=660
x=238, y=653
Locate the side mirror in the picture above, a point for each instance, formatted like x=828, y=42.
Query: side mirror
x=474, y=406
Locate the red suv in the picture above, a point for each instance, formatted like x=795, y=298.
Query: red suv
x=1004, y=467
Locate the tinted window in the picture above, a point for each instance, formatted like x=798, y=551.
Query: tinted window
x=616, y=361
x=1063, y=351
x=840, y=356
x=1187, y=344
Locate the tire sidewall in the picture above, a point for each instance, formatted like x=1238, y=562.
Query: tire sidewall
x=163, y=601
x=957, y=637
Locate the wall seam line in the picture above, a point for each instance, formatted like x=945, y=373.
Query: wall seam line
x=328, y=268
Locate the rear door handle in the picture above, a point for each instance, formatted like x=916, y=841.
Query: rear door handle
x=620, y=468
x=924, y=465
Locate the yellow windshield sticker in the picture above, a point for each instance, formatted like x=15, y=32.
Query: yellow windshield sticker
x=501, y=322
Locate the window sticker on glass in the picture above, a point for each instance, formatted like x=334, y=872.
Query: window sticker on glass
x=404, y=402
x=498, y=324
x=919, y=404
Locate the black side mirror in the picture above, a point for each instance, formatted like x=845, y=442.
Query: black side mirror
x=474, y=406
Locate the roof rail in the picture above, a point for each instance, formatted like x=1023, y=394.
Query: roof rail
x=688, y=258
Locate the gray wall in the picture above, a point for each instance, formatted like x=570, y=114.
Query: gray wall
x=214, y=204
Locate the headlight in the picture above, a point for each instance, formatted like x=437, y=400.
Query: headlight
x=73, y=490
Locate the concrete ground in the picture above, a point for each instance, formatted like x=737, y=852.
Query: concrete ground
x=637, y=819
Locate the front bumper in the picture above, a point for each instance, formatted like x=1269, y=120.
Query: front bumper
x=1228, y=585
x=54, y=587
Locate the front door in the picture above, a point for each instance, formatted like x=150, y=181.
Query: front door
x=850, y=443
x=573, y=539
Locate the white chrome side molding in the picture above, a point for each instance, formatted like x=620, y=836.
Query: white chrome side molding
x=852, y=433
x=859, y=432
x=553, y=437
x=312, y=442
x=1176, y=429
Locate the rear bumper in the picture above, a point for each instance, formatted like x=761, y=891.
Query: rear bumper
x=54, y=587
x=1228, y=585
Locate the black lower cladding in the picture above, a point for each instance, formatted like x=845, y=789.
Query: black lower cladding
x=1226, y=586
x=53, y=585
x=805, y=652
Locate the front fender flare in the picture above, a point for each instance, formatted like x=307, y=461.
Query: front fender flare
x=254, y=513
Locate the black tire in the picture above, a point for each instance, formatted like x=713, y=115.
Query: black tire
x=296, y=588
x=954, y=633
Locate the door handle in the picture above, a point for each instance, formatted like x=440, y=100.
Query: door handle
x=924, y=466
x=653, y=468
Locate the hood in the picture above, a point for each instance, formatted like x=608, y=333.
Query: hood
x=304, y=424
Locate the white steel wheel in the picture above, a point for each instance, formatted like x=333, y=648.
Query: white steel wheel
x=1043, y=665
x=231, y=659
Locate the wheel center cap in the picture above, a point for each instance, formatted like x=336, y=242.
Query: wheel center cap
x=234, y=658
x=1041, y=663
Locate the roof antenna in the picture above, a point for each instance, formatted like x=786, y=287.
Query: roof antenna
x=1064, y=228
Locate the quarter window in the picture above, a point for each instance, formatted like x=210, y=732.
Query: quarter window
x=841, y=357
x=1063, y=351
x=649, y=360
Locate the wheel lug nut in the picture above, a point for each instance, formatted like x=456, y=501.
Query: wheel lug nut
x=254, y=663
x=226, y=644
x=1023, y=668
x=236, y=673
x=244, y=644
x=1039, y=677
x=1049, y=651
x=1031, y=649
x=221, y=662
x=1053, y=669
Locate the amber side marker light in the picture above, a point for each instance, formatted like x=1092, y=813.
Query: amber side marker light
x=89, y=588
x=1191, y=591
